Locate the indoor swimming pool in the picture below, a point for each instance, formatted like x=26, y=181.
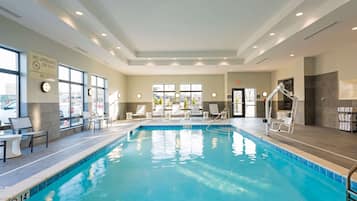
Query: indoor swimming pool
x=200, y=163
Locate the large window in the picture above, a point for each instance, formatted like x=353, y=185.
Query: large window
x=99, y=87
x=190, y=96
x=70, y=88
x=163, y=97
x=9, y=87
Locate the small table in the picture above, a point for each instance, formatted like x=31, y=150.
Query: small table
x=129, y=116
x=205, y=115
x=12, y=146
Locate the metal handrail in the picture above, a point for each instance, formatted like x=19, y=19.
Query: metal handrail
x=349, y=190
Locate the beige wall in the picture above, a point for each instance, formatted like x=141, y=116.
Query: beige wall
x=294, y=69
x=143, y=85
x=261, y=81
x=15, y=36
x=344, y=61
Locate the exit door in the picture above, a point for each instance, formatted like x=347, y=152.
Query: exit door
x=238, y=103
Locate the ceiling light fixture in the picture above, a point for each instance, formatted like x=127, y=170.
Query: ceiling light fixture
x=150, y=64
x=261, y=51
x=79, y=13
x=272, y=34
x=255, y=47
x=354, y=29
x=299, y=14
x=199, y=64
x=103, y=34
x=292, y=55
x=95, y=40
x=118, y=47
x=175, y=64
x=112, y=52
x=224, y=63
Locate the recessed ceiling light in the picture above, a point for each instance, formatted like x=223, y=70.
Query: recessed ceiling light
x=199, y=64
x=95, y=40
x=118, y=47
x=175, y=64
x=255, y=47
x=292, y=55
x=224, y=63
x=103, y=34
x=272, y=34
x=299, y=14
x=150, y=64
x=79, y=13
x=354, y=29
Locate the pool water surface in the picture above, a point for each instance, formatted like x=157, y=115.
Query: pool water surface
x=198, y=164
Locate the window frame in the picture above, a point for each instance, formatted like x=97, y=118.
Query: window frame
x=17, y=73
x=70, y=83
x=164, y=91
x=192, y=91
x=96, y=87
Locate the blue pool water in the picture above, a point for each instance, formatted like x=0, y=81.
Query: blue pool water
x=198, y=164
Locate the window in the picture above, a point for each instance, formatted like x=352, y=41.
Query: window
x=163, y=97
x=9, y=87
x=99, y=86
x=190, y=96
x=250, y=102
x=70, y=88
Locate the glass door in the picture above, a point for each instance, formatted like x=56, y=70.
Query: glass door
x=238, y=102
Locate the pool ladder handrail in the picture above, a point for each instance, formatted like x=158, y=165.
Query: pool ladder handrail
x=350, y=193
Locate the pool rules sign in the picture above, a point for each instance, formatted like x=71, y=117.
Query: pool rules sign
x=42, y=67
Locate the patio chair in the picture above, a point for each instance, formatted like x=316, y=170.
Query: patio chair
x=196, y=111
x=140, y=111
x=176, y=110
x=4, y=150
x=89, y=120
x=18, y=125
x=158, y=111
x=213, y=110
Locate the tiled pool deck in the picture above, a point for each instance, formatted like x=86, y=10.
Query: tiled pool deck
x=331, y=149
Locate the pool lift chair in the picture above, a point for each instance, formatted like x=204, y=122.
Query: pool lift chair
x=285, y=124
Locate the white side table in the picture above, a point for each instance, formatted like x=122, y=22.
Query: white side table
x=205, y=115
x=129, y=116
x=12, y=145
x=148, y=115
x=187, y=115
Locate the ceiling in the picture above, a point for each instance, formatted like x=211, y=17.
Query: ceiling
x=190, y=36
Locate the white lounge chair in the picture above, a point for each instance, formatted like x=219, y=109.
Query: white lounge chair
x=213, y=110
x=196, y=111
x=21, y=124
x=158, y=111
x=176, y=110
x=140, y=111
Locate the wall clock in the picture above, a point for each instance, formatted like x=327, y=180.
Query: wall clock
x=45, y=87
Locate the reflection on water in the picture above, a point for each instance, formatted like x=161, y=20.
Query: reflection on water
x=115, y=154
x=243, y=146
x=191, y=142
x=183, y=144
